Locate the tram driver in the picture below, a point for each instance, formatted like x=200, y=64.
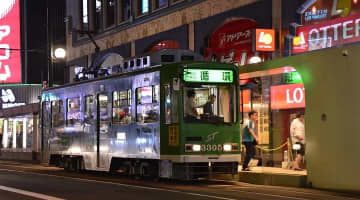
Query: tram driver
x=208, y=106
x=190, y=108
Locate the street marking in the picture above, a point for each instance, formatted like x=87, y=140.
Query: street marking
x=27, y=193
x=120, y=184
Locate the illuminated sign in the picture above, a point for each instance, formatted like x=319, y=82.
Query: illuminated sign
x=265, y=40
x=292, y=77
x=245, y=100
x=208, y=75
x=8, y=99
x=10, y=61
x=327, y=34
x=287, y=96
x=232, y=42
x=314, y=11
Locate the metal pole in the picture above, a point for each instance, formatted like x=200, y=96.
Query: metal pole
x=49, y=47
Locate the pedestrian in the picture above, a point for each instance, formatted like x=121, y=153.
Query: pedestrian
x=250, y=139
x=297, y=133
x=208, y=106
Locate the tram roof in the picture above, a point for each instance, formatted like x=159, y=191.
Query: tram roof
x=143, y=70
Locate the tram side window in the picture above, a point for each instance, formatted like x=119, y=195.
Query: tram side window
x=122, y=107
x=57, y=113
x=171, y=103
x=147, y=104
x=104, y=117
x=73, y=111
x=89, y=110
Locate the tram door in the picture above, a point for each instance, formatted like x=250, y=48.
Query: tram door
x=103, y=120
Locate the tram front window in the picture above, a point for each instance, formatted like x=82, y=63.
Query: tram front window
x=209, y=104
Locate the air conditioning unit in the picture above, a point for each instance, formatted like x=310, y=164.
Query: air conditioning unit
x=126, y=66
x=146, y=61
x=138, y=63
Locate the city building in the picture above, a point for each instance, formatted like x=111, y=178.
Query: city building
x=26, y=61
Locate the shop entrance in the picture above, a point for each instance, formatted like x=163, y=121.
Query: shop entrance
x=277, y=96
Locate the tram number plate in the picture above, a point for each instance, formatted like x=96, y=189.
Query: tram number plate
x=211, y=147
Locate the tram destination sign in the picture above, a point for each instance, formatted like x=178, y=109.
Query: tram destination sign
x=208, y=75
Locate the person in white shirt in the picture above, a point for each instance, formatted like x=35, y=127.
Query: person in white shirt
x=190, y=107
x=297, y=133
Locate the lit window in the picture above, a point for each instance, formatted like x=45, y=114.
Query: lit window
x=85, y=14
x=122, y=107
x=147, y=104
x=98, y=14
x=142, y=7
x=73, y=112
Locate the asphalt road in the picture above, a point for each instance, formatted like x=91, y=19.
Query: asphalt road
x=27, y=181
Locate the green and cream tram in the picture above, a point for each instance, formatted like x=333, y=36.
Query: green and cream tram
x=136, y=121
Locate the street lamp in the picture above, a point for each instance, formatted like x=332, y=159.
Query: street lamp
x=59, y=53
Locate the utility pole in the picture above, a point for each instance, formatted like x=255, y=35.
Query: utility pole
x=49, y=47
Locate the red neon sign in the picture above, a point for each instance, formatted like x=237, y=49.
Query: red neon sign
x=10, y=60
x=232, y=42
x=327, y=34
x=287, y=96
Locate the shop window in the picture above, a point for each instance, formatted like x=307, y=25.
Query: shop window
x=73, y=112
x=147, y=104
x=124, y=10
x=84, y=17
x=142, y=7
x=122, y=107
x=19, y=133
x=10, y=133
x=104, y=113
x=89, y=110
x=57, y=113
x=158, y=4
x=1, y=130
x=109, y=10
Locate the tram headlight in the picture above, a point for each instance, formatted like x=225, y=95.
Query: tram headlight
x=227, y=147
x=196, y=147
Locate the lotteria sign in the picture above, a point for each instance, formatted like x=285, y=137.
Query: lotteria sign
x=287, y=96
x=208, y=75
x=327, y=34
x=10, y=60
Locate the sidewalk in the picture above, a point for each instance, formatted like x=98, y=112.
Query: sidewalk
x=268, y=176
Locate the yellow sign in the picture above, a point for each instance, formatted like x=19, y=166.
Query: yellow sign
x=174, y=135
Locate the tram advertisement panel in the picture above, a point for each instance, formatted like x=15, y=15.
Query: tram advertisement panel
x=10, y=60
x=287, y=96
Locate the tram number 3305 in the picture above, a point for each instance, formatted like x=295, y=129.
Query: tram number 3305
x=211, y=147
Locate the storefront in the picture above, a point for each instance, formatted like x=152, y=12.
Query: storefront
x=19, y=121
x=276, y=95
